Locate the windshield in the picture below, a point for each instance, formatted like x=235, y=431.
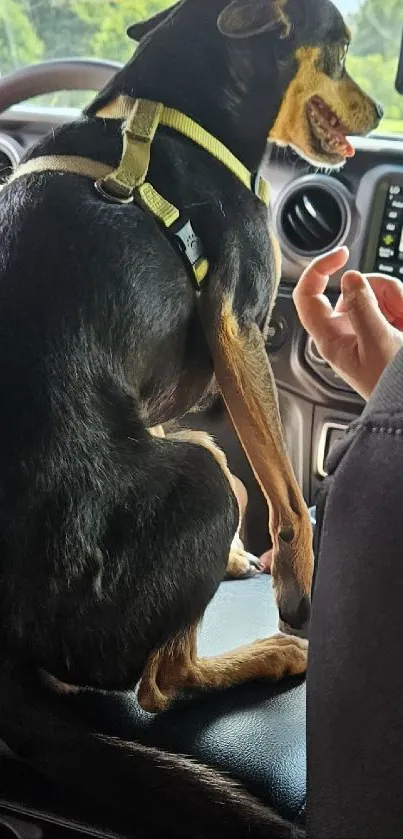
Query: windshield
x=34, y=30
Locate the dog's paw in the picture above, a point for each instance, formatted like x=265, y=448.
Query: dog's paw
x=242, y=565
x=282, y=656
x=294, y=656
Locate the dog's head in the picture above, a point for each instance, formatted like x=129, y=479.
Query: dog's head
x=286, y=60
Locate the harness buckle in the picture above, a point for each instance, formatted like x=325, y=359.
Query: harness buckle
x=113, y=198
x=191, y=247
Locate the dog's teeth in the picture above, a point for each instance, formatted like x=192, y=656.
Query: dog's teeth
x=327, y=127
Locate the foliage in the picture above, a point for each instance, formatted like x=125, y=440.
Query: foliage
x=35, y=29
x=109, y=21
x=19, y=41
x=377, y=75
x=377, y=29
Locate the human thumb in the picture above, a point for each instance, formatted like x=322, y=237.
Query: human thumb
x=362, y=307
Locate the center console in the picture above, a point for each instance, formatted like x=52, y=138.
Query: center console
x=317, y=405
x=384, y=246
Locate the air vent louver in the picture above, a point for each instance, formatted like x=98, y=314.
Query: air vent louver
x=10, y=155
x=6, y=166
x=313, y=218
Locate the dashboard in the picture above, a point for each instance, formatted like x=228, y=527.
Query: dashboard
x=360, y=206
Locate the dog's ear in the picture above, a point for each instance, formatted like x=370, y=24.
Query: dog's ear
x=137, y=31
x=245, y=18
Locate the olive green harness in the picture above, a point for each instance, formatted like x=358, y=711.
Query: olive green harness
x=129, y=182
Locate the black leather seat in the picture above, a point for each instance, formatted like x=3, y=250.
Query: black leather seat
x=255, y=732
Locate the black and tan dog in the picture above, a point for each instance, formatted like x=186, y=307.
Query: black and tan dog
x=113, y=540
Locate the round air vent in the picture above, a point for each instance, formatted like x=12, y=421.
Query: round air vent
x=314, y=215
x=10, y=155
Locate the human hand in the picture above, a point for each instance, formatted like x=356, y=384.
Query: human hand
x=361, y=335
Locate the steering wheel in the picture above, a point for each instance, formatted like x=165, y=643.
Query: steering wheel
x=54, y=75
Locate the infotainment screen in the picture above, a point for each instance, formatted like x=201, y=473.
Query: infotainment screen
x=390, y=245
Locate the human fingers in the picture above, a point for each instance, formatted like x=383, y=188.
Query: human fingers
x=313, y=307
x=361, y=305
x=389, y=295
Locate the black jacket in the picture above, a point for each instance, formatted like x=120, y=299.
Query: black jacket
x=355, y=678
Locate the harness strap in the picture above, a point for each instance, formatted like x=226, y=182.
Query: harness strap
x=128, y=182
x=138, y=134
x=186, y=126
x=83, y=166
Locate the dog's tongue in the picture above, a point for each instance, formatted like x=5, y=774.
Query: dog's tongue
x=348, y=150
x=338, y=142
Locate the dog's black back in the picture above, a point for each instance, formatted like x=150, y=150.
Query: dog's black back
x=101, y=328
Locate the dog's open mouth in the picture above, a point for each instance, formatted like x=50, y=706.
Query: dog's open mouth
x=328, y=129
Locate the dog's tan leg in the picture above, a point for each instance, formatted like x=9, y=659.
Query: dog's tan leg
x=246, y=381
x=176, y=667
x=157, y=431
x=240, y=563
x=201, y=438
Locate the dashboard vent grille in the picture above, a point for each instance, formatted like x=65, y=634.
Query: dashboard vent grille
x=10, y=155
x=6, y=166
x=313, y=219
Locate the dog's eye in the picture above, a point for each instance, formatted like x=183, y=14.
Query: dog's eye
x=343, y=54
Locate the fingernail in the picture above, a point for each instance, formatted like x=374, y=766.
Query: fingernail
x=352, y=282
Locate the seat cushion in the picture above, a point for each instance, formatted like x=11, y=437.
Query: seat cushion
x=255, y=732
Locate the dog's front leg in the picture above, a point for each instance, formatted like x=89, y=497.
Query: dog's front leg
x=177, y=667
x=241, y=564
x=157, y=431
x=247, y=384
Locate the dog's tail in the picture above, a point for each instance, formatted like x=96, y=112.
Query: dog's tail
x=133, y=789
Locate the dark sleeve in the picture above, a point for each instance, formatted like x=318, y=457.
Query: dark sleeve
x=355, y=673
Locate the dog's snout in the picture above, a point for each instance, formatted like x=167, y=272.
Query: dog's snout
x=379, y=110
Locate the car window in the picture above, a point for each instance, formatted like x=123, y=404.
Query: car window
x=34, y=30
